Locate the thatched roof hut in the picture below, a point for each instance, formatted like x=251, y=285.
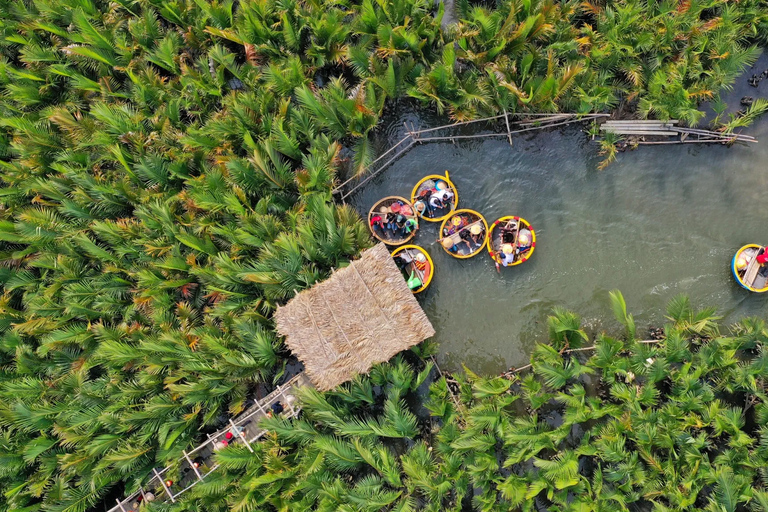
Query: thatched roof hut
x=362, y=315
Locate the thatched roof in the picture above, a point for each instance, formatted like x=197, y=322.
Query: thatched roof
x=362, y=315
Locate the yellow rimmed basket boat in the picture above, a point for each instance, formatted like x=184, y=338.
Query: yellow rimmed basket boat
x=429, y=184
x=393, y=234
x=416, y=265
x=506, y=231
x=463, y=233
x=748, y=272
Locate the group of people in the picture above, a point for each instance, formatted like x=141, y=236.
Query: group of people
x=432, y=201
x=513, y=243
x=470, y=234
x=395, y=220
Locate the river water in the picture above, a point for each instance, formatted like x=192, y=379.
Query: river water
x=660, y=221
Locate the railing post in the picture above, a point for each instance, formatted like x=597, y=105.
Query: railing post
x=120, y=504
x=285, y=398
x=165, y=487
x=192, y=465
x=244, y=438
x=509, y=130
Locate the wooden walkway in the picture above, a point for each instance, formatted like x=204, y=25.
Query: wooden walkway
x=671, y=131
x=244, y=429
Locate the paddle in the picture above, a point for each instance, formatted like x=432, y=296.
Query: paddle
x=514, y=244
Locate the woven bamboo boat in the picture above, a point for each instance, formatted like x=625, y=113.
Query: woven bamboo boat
x=463, y=233
x=504, y=235
x=391, y=233
x=748, y=272
x=416, y=265
x=429, y=185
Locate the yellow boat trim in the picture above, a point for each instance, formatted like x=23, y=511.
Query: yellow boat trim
x=736, y=272
x=485, y=239
x=429, y=261
x=435, y=177
x=375, y=209
x=526, y=224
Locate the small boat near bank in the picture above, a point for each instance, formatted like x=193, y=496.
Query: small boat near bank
x=416, y=265
x=511, y=241
x=750, y=269
x=434, y=197
x=463, y=234
x=392, y=220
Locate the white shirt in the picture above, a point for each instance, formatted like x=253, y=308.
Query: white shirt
x=507, y=259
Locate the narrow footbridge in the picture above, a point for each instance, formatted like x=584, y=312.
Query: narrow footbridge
x=198, y=463
x=674, y=134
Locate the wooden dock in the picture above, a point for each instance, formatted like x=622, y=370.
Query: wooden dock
x=669, y=130
x=200, y=462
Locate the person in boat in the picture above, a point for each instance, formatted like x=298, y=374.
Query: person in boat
x=762, y=258
x=446, y=196
x=466, y=238
x=400, y=261
x=477, y=235
x=508, y=232
x=377, y=224
x=507, y=255
x=400, y=224
x=524, y=240
x=435, y=204
x=410, y=226
x=420, y=206
x=449, y=245
x=389, y=221
x=457, y=222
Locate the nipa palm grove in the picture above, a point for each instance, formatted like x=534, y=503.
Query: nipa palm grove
x=166, y=171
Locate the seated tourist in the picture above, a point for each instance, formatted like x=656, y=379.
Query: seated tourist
x=507, y=254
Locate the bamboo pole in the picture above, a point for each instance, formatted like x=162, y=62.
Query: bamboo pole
x=509, y=131
x=192, y=464
x=244, y=438
x=165, y=487
x=570, y=121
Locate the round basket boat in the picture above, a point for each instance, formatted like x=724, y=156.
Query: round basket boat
x=424, y=189
x=383, y=216
x=749, y=273
x=463, y=234
x=504, y=241
x=416, y=265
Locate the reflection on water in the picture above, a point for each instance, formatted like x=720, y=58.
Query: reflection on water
x=661, y=221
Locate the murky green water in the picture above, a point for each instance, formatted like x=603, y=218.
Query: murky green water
x=661, y=221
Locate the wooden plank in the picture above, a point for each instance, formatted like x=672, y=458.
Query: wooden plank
x=751, y=273
x=644, y=132
x=641, y=121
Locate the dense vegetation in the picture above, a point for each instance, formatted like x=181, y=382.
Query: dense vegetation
x=679, y=424
x=166, y=168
